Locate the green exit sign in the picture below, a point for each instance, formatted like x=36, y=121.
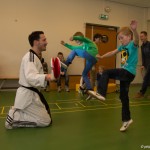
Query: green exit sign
x=103, y=17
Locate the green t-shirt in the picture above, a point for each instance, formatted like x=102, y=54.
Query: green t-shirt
x=87, y=45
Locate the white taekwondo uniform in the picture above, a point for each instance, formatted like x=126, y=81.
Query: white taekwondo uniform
x=28, y=105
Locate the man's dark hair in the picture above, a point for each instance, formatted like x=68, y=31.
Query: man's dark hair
x=59, y=53
x=34, y=36
x=97, y=36
x=144, y=32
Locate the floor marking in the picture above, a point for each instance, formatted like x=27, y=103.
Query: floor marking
x=102, y=102
x=58, y=106
x=2, y=110
x=59, y=102
x=83, y=107
x=2, y=117
x=82, y=104
x=72, y=108
x=92, y=109
x=140, y=104
x=78, y=101
x=66, y=100
x=139, y=101
x=81, y=110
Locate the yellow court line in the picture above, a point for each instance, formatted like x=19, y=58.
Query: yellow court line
x=99, y=108
x=2, y=117
x=2, y=110
x=140, y=104
x=102, y=108
x=102, y=102
x=73, y=100
x=83, y=110
x=80, y=110
x=81, y=104
x=79, y=101
x=58, y=106
x=63, y=102
x=94, y=109
x=139, y=101
x=71, y=108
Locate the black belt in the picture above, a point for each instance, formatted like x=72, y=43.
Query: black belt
x=43, y=100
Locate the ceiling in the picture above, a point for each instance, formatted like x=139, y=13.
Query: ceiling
x=138, y=3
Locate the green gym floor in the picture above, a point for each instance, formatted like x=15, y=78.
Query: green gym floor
x=80, y=125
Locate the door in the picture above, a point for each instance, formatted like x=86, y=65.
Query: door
x=109, y=43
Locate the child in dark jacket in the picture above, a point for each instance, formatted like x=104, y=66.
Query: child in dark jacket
x=98, y=77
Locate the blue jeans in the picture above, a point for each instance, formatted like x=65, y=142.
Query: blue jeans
x=90, y=61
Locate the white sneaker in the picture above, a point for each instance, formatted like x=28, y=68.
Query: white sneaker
x=96, y=95
x=125, y=125
x=10, y=119
x=59, y=89
x=67, y=89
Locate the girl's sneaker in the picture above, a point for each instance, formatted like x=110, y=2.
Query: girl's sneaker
x=125, y=125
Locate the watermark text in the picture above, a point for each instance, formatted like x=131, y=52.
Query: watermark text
x=145, y=146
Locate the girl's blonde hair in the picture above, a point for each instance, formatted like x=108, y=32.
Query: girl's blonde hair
x=126, y=31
